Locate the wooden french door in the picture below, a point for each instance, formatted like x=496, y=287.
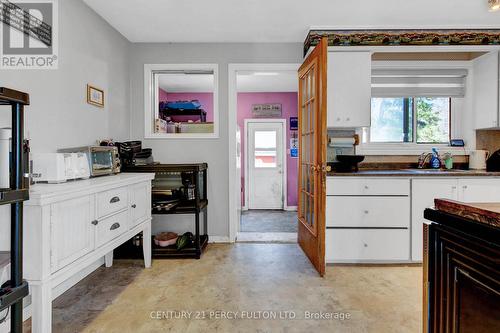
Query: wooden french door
x=312, y=155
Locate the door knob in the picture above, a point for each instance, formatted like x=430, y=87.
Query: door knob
x=326, y=168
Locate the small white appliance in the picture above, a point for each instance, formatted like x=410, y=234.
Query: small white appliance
x=59, y=167
x=477, y=159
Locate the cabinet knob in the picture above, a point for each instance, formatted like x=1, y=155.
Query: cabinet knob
x=95, y=222
x=134, y=206
x=464, y=187
x=348, y=119
x=366, y=187
x=365, y=245
x=114, y=200
x=454, y=187
x=366, y=212
x=115, y=226
x=338, y=119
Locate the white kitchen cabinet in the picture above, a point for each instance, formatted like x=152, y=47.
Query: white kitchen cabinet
x=486, y=90
x=367, y=186
x=139, y=203
x=424, y=191
x=71, y=227
x=72, y=234
x=368, y=212
x=479, y=190
x=367, y=219
x=367, y=245
x=349, y=89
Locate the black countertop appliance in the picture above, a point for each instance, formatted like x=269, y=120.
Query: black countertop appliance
x=493, y=162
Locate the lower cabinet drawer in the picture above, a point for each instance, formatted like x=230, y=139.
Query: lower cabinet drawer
x=111, y=228
x=367, y=186
x=368, y=212
x=111, y=201
x=364, y=245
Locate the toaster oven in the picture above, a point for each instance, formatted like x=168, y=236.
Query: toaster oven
x=103, y=160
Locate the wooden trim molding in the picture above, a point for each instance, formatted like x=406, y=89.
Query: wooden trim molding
x=379, y=37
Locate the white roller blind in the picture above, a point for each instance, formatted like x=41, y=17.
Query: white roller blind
x=388, y=82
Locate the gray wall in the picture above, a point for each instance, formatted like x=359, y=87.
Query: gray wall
x=212, y=151
x=90, y=51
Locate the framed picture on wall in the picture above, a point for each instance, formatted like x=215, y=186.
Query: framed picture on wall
x=95, y=96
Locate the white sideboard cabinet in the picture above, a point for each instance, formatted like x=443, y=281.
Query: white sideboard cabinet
x=70, y=228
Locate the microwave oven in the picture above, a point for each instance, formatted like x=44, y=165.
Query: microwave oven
x=103, y=160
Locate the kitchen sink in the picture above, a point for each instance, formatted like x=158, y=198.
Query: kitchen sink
x=437, y=170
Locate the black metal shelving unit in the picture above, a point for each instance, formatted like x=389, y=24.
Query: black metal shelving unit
x=197, y=207
x=12, y=292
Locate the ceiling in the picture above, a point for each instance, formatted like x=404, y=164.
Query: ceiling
x=193, y=21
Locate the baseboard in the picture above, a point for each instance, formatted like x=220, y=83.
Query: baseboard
x=291, y=208
x=218, y=239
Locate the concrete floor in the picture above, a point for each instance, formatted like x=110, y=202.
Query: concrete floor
x=239, y=278
x=268, y=221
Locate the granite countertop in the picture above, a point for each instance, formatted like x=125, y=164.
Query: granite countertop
x=415, y=173
x=487, y=213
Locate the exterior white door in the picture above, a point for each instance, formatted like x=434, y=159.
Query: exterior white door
x=265, y=165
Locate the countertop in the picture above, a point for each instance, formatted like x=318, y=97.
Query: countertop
x=487, y=213
x=415, y=173
x=42, y=192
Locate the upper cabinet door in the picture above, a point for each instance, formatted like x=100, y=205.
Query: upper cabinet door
x=349, y=89
x=486, y=90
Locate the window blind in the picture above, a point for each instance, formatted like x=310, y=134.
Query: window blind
x=389, y=82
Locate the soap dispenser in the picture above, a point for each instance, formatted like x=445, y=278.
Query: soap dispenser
x=435, y=161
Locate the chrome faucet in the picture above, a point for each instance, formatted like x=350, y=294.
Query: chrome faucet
x=423, y=158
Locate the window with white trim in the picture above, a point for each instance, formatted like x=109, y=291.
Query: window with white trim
x=410, y=120
x=413, y=105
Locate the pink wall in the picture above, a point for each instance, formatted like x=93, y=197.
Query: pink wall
x=206, y=101
x=288, y=103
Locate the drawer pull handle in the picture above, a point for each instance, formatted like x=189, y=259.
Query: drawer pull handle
x=134, y=206
x=114, y=200
x=115, y=226
x=95, y=222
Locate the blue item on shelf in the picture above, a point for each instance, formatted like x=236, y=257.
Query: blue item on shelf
x=184, y=105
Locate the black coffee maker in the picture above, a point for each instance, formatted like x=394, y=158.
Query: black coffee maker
x=188, y=188
x=493, y=163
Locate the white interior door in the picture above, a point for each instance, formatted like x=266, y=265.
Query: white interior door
x=265, y=165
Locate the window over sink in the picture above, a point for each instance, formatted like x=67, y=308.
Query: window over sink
x=420, y=120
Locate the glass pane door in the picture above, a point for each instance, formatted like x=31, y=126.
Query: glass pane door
x=308, y=158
